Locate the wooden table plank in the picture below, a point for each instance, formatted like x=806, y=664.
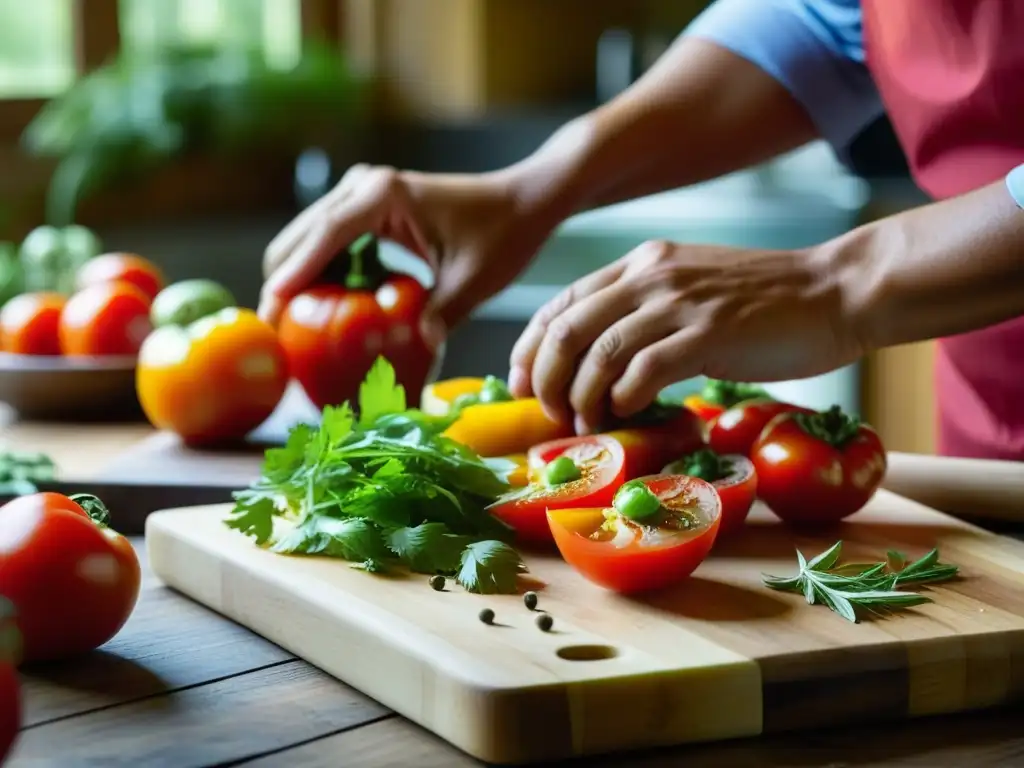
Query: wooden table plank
x=182, y=686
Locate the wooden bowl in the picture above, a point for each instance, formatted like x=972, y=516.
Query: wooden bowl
x=43, y=388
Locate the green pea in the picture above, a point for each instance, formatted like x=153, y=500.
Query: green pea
x=494, y=390
x=636, y=501
x=561, y=470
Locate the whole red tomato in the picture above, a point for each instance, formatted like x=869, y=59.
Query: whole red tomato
x=332, y=334
x=214, y=380
x=105, y=319
x=124, y=267
x=734, y=430
x=818, y=467
x=73, y=581
x=717, y=395
x=30, y=323
x=10, y=698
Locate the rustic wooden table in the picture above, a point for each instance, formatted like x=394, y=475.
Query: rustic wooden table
x=181, y=686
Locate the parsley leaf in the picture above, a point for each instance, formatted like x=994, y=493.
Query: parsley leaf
x=490, y=567
x=380, y=394
x=388, y=488
x=428, y=548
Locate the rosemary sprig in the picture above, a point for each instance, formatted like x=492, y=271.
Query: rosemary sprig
x=870, y=586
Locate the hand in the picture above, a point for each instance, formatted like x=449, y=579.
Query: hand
x=476, y=232
x=666, y=312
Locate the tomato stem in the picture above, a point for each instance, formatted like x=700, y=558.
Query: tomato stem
x=93, y=507
x=832, y=426
x=730, y=393
x=365, y=270
x=705, y=465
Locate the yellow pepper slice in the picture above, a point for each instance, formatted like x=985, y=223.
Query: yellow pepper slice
x=500, y=429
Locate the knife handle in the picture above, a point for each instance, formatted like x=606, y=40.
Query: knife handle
x=984, y=489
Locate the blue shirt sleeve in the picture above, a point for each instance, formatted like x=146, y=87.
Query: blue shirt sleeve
x=814, y=48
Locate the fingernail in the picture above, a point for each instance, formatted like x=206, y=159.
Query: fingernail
x=268, y=309
x=518, y=382
x=581, y=426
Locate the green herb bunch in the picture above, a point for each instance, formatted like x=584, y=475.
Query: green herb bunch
x=383, y=490
x=869, y=586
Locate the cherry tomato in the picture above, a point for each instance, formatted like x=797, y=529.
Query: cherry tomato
x=10, y=697
x=599, y=463
x=73, y=581
x=121, y=267
x=213, y=380
x=626, y=555
x=105, y=319
x=717, y=395
x=735, y=429
x=818, y=467
x=30, y=323
x=734, y=478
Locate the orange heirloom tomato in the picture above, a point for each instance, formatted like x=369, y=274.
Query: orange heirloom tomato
x=599, y=469
x=30, y=323
x=73, y=581
x=10, y=697
x=105, y=319
x=502, y=428
x=214, y=380
x=124, y=267
x=627, y=556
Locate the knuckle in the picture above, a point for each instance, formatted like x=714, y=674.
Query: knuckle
x=562, y=333
x=655, y=251
x=609, y=348
x=649, y=365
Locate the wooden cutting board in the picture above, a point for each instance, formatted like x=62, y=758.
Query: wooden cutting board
x=720, y=656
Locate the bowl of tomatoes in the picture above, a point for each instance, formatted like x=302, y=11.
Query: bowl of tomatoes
x=69, y=351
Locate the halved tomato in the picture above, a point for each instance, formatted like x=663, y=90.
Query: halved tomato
x=661, y=548
x=734, y=478
x=737, y=428
x=583, y=472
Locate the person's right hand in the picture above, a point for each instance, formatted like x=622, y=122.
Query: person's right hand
x=475, y=231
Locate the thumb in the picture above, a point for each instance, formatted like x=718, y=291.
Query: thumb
x=459, y=288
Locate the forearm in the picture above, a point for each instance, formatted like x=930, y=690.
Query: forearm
x=700, y=112
x=939, y=270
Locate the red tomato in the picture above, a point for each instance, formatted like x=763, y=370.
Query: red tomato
x=818, y=467
x=717, y=395
x=702, y=408
x=73, y=581
x=601, y=462
x=649, y=447
x=736, y=429
x=30, y=323
x=124, y=267
x=214, y=380
x=10, y=698
x=105, y=319
x=734, y=478
x=332, y=335
x=629, y=557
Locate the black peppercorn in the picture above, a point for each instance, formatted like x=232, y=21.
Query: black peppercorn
x=487, y=616
x=437, y=582
x=530, y=598
x=544, y=621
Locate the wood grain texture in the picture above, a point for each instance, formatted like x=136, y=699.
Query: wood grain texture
x=195, y=650
x=719, y=657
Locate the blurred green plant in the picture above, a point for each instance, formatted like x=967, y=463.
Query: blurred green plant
x=141, y=111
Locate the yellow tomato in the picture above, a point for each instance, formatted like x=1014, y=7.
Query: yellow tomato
x=216, y=379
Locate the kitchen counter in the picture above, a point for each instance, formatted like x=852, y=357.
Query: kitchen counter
x=181, y=686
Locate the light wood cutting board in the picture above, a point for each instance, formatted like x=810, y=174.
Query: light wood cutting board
x=718, y=657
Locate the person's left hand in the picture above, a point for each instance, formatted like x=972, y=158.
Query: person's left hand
x=665, y=312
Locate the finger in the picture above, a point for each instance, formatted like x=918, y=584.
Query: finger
x=675, y=358
x=568, y=336
x=525, y=349
x=292, y=235
x=337, y=228
x=607, y=359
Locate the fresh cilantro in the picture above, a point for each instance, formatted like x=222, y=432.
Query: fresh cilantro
x=428, y=548
x=19, y=472
x=490, y=567
x=380, y=394
x=387, y=488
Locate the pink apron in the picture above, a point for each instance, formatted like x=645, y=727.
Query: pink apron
x=951, y=76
